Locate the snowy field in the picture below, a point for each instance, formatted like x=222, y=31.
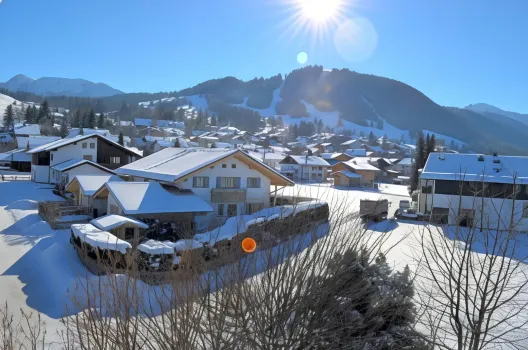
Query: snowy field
x=40, y=270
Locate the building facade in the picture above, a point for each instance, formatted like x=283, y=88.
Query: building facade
x=475, y=190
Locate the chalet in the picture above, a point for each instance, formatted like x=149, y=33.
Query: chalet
x=325, y=147
x=351, y=144
x=333, y=158
x=307, y=167
x=364, y=169
x=229, y=181
x=94, y=147
x=486, y=191
x=83, y=188
x=346, y=178
x=403, y=166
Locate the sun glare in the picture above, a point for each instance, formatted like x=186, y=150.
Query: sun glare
x=320, y=10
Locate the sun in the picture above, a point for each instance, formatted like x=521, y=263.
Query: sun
x=320, y=11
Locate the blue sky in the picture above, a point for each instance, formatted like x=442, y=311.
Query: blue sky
x=455, y=52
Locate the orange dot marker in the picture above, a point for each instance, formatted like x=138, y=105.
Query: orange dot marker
x=249, y=245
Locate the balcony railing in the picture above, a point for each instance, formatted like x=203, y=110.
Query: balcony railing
x=228, y=195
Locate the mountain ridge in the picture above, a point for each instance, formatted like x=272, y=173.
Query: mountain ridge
x=54, y=86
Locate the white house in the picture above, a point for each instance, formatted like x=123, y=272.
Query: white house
x=229, y=180
x=403, y=166
x=63, y=172
x=307, y=167
x=94, y=147
x=475, y=190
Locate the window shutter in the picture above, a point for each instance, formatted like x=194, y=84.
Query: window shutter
x=218, y=182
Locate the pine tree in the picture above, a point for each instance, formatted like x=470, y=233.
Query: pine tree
x=92, y=119
x=9, y=118
x=64, y=128
x=101, y=120
x=295, y=131
x=77, y=119
x=120, y=139
x=213, y=120
x=44, y=111
x=340, y=122
x=371, y=139
x=177, y=143
x=29, y=115
x=213, y=145
x=426, y=149
x=419, y=161
x=34, y=114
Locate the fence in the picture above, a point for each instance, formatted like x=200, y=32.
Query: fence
x=15, y=177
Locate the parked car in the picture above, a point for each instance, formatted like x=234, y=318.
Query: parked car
x=375, y=210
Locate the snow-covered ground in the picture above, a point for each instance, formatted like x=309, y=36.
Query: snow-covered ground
x=40, y=270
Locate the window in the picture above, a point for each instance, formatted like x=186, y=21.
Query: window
x=227, y=182
x=231, y=210
x=84, y=145
x=254, y=207
x=224, y=166
x=320, y=168
x=115, y=160
x=525, y=210
x=87, y=157
x=233, y=166
x=220, y=210
x=129, y=233
x=92, y=145
x=253, y=182
x=201, y=182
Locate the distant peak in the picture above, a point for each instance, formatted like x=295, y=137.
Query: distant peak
x=20, y=77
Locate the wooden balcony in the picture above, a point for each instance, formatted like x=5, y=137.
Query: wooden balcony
x=228, y=195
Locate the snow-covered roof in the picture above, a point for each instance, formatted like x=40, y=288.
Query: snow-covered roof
x=349, y=142
x=20, y=155
x=348, y=174
x=184, y=244
x=109, y=222
x=125, y=123
x=356, y=152
x=357, y=165
x=96, y=238
x=171, y=164
x=142, y=122
x=153, y=247
x=35, y=140
x=89, y=184
x=153, y=198
x=87, y=131
x=29, y=129
x=73, y=163
x=404, y=161
x=330, y=156
x=165, y=143
x=475, y=167
x=222, y=145
x=64, y=142
x=309, y=160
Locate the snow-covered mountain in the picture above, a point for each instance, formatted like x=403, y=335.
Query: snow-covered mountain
x=487, y=109
x=49, y=86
